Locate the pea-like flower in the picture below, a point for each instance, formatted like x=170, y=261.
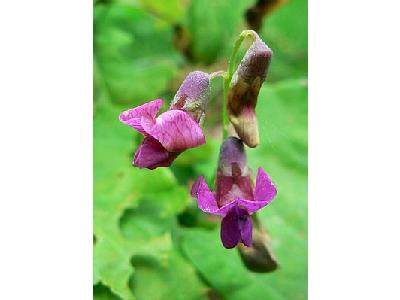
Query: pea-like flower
x=174, y=131
x=244, y=90
x=235, y=199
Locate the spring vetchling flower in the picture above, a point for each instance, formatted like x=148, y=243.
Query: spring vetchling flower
x=234, y=198
x=244, y=89
x=174, y=131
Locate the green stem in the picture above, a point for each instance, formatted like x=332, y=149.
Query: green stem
x=228, y=77
x=225, y=118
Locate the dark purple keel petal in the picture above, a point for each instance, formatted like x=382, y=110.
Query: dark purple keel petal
x=175, y=130
x=132, y=117
x=236, y=227
x=230, y=231
x=246, y=230
x=151, y=154
x=265, y=189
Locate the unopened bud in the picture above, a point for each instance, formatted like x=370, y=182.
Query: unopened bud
x=193, y=95
x=244, y=90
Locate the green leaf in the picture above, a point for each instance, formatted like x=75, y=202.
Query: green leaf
x=212, y=25
x=172, y=11
x=223, y=268
x=176, y=279
x=282, y=120
x=101, y=292
x=283, y=152
x=286, y=33
x=134, y=55
x=120, y=189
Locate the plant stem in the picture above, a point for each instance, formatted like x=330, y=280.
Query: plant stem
x=228, y=77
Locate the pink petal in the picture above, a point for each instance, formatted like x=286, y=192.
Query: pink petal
x=151, y=154
x=175, y=130
x=265, y=189
x=132, y=117
x=205, y=198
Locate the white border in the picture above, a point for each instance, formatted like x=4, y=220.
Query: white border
x=354, y=150
x=46, y=150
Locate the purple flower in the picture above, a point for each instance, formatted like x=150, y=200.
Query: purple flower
x=235, y=199
x=244, y=90
x=173, y=131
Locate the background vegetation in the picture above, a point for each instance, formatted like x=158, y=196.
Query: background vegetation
x=150, y=240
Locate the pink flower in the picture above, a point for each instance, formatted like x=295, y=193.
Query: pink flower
x=235, y=199
x=174, y=131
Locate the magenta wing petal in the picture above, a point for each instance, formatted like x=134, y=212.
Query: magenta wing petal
x=265, y=189
x=175, y=130
x=226, y=208
x=151, y=154
x=132, y=117
x=252, y=206
x=205, y=198
x=230, y=231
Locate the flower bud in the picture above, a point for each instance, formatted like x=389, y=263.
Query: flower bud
x=193, y=95
x=244, y=89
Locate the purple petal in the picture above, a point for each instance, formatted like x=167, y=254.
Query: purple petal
x=252, y=206
x=205, y=198
x=151, y=154
x=230, y=231
x=132, y=117
x=246, y=228
x=226, y=208
x=265, y=189
x=196, y=186
x=175, y=130
x=236, y=227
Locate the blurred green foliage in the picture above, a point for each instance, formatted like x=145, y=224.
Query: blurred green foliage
x=150, y=240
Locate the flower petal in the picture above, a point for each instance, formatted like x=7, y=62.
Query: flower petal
x=175, y=130
x=226, y=208
x=246, y=230
x=265, y=189
x=230, y=231
x=132, y=117
x=252, y=206
x=151, y=154
x=205, y=198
